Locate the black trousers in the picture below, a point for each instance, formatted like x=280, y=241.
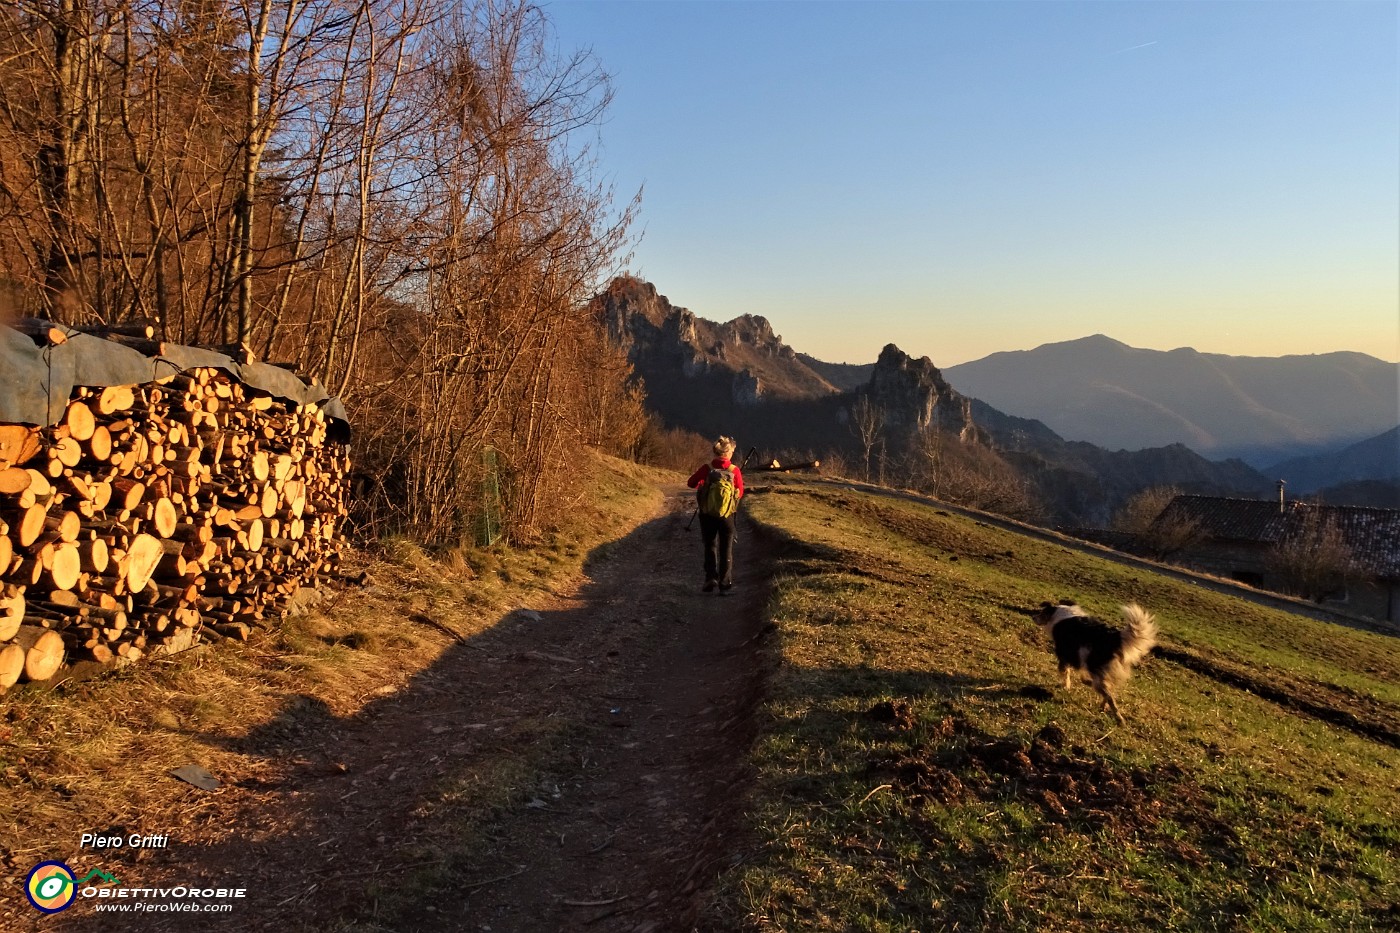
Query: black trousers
x=718, y=535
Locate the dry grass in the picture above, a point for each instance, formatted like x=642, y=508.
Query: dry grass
x=98, y=753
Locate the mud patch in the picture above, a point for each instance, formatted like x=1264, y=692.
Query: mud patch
x=959, y=764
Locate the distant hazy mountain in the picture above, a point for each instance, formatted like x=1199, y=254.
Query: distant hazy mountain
x=1259, y=409
x=1369, y=493
x=1377, y=458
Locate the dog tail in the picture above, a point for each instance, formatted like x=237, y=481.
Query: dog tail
x=1139, y=635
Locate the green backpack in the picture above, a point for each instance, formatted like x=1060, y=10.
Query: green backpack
x=719, y=498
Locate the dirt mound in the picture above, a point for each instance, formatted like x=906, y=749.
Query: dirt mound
x=897, y=713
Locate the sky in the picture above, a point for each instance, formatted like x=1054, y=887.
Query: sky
x=960, y=178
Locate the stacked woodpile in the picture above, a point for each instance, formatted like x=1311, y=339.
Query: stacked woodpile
x=154, y=515
x=774, y=466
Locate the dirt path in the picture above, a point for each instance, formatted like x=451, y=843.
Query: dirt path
x=646, y=686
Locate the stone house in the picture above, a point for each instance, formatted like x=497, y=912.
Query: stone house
x=1238, y=539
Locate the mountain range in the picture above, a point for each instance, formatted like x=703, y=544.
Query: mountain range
x=1261, y=410
x=740, y=378
x=1375, y=460
x=1150, y=411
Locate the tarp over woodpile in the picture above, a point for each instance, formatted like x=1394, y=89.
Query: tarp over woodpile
x=36, y=382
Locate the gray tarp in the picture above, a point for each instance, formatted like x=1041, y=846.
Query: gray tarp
x=36, y=382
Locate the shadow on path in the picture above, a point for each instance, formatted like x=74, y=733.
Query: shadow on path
x=616, y=719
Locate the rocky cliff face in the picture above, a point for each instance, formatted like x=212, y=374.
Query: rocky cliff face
x=914, y=396
x=742, y=366
x=664, y=341
x=650, y=327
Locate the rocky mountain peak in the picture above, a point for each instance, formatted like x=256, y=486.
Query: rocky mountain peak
x=662, y=339
x=914, y=395
x=629, y=304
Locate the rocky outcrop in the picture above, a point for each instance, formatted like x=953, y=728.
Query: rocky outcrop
x=753, y=331
x=739, y=375
x=748, y=389
x=664, y=341
x=914, y=396
x=648, y=325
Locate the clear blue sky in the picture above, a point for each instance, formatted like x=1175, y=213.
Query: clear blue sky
x=965, y=177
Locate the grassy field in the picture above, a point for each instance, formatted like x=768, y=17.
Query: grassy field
x=919, y=768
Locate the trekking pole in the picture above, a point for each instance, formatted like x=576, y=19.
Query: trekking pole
x=743, y=466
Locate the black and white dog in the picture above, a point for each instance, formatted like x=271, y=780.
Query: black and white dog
x=1104, y=654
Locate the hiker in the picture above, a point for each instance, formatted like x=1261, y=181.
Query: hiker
x=718, y=488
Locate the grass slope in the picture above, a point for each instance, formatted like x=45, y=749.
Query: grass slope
x=920, y=769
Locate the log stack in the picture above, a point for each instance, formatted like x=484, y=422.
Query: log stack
x=773, y=466
x=153, y=516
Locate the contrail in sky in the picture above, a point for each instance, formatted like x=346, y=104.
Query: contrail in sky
x=1133, y=47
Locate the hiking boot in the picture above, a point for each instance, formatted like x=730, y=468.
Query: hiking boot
x=709, y=586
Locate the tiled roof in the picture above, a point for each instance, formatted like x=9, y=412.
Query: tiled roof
x=1372, y=534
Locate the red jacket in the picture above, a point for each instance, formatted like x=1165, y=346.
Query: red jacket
x=719, y=463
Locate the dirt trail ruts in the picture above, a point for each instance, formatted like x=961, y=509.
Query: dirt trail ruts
x=652, y=682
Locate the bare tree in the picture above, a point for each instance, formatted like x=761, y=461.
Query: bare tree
x=48, y=62
x=927, y=448
x=394, y=196
x=1144, y=515
x=514, y=237
x=868, y=423
x=1313, y=557
x=1142, y=509
x=977, y=477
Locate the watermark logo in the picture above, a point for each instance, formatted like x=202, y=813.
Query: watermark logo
x=51, y=887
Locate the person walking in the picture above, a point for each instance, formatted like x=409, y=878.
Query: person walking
x=718, y=488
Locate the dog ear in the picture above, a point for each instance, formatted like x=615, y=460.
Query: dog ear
x=1046, y=605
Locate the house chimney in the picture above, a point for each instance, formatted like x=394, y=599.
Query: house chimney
x=1281, y=509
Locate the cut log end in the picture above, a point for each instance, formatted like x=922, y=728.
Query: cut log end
x=11, y=665
x=43, y=651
